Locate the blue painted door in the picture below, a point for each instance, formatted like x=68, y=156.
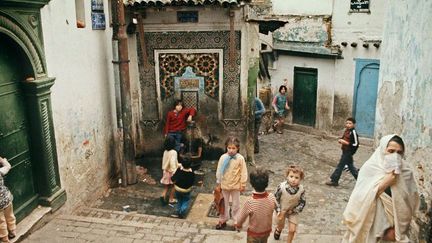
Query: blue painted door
x=365, y=95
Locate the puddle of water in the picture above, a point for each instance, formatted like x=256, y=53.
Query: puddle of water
x=144, y=198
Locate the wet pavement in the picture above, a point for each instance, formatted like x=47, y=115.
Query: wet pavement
x=317, y=152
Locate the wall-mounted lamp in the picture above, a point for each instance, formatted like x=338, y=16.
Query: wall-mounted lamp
x=344, y=43
x=366, y=45
x=376, y=44
x=354, y=44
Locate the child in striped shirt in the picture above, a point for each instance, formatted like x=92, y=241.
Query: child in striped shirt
x=259, y=208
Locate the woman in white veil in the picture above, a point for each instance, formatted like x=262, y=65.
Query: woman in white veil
x=384, y=198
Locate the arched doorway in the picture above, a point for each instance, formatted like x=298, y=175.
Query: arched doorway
x=365, y=96
x=15, y=139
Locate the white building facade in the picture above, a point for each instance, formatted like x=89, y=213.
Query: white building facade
x=328, y=56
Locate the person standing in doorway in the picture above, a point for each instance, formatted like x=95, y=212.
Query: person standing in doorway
x=280, y=105
x=349, y=144
x=176, y=122
x=259, y=111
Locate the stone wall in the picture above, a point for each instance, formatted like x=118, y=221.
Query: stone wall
x=405, y=94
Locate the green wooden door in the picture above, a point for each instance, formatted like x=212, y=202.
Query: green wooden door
x=14, y=134
x=305, y=96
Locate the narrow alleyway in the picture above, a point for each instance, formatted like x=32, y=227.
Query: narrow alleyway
x=317, y=153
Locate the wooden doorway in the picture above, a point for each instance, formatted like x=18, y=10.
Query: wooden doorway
x=305, y=96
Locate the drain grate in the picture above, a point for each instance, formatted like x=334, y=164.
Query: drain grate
x=213, y=212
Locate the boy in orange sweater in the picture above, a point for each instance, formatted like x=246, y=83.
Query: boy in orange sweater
x=259, y=208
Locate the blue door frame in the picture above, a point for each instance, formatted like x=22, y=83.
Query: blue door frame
x=365, y=95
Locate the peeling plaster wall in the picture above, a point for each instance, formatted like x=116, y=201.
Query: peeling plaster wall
x=345, y=27
x=311, y=30
x=405, y=93
x=284, y=74
x=310, y=7
x=358, y=28
x=83, y=102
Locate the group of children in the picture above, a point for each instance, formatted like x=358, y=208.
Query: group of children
x=288, y=200
x=231, y=176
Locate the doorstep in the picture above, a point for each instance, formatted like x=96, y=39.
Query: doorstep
x=27, y=224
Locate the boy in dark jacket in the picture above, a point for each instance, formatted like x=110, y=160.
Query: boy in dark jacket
x=349, y=144
x=183, y=180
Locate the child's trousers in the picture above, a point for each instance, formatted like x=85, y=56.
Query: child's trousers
x=257, y=239
x=183, y=200
x=235, y=197
x=7, y=221
x=281, y=219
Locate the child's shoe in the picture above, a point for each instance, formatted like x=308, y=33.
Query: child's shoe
x=220, y=226
x=4, y=239
x=332, y=183
x=162, y=200
x=12, y=234
x=277, y=234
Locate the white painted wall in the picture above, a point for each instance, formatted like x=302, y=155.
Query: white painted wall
x=358, y=26
x=210, y=19
x=83, y=102
x=346, y=27
x=299, y=7
x=284, y=75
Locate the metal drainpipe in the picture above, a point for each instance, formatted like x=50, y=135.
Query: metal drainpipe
x=123, y=105
x=118, y=134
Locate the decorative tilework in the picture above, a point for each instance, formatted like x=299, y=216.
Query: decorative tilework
x=204, y=65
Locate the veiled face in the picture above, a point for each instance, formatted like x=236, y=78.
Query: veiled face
x=393, y=147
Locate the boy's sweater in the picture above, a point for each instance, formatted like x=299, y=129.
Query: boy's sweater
x=285, y=194
x=183, y=179
x=235, y=175
x=176, y=121
x=350, y=135
x=259, y=208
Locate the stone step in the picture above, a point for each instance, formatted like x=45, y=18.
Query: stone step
x=132, y=221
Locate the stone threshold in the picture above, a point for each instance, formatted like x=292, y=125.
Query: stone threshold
x=28, y=223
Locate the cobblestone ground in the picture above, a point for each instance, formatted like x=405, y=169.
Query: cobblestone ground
x=320, y=221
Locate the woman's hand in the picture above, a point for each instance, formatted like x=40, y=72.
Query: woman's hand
x=389, y=180
x=189, y=119
x=242, y=188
